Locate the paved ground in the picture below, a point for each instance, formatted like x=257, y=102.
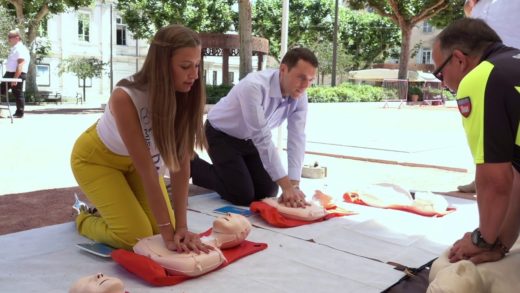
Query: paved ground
x=347, y=138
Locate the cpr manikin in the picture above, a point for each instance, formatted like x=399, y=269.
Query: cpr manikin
x=386, y=195
x=308, y=213
x=466, y=277
x=98, y=283
x=228, y=231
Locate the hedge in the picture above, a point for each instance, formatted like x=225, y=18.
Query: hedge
x=345, y=92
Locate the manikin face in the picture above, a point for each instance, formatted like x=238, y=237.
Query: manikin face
x=295, y=81
x=186, y=62
x=462, y=277
x=98, y=283
x=231, y=224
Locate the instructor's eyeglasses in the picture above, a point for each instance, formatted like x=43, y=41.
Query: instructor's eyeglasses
x=438, y=72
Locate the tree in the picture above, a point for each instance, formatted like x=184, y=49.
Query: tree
x=366, y=37
x=83, y=68
x=310, y=22
x=405, y=14
x=29, y=16
x=145, y=17
x=448, y=15
x=6, y=24
x=246, y=38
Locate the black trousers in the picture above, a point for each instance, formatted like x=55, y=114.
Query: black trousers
x=237, y=173
x=17, y=91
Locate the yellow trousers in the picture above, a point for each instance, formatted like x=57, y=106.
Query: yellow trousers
x=113, y=186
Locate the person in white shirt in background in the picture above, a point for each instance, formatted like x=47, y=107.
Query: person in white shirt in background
x=16, y=67
x=246, y=164
x=502, y=16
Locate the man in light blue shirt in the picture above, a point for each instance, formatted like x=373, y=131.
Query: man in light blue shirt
x=246, y=164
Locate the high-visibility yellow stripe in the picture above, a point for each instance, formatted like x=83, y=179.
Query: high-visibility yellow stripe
x=517, y=141
x=473, y=85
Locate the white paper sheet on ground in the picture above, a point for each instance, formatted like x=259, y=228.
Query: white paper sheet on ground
x=382, y=234
x=46, y=260
x=208, y=202
x=405, y=238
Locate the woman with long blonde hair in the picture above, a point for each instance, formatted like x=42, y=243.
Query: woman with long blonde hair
x=152, y=122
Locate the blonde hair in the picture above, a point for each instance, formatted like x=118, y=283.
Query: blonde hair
x=176, y=117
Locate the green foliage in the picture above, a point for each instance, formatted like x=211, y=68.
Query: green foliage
x=42, y=48
x=406, y=15
x=215, y=92
x=6, y=24
x=448, y=95
x=364, y=38
x=83, y=68
x=367, y=37
x=415, y=90
x=145, y=17
x=310, y=22
x=345, y=92
x=448, y=15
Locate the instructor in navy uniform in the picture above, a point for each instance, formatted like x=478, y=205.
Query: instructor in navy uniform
x=246, y=164
x=473, y=62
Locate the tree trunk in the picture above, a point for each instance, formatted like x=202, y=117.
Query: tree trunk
x=31, y=87
x=245, y=35
x=84, y=90
x=406, y=33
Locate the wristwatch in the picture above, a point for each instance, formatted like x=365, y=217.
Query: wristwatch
x=479, y=241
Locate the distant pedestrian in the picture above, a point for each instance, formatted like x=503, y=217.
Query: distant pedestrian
x=16, y=67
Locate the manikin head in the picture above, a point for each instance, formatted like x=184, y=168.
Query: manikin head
x=230, y=230
x=460, y=277
x=97, y=283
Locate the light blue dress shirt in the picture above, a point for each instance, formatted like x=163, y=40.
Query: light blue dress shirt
x=253, y=108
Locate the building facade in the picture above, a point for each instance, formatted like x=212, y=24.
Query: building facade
x=99, y=31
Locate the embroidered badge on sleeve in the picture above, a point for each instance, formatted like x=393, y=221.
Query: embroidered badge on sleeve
x=464, y=105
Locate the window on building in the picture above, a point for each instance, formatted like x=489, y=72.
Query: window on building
x=231, y=77
x=120, y=32
x=84, y=27
x=214, y=78
x=426, y=56
x=427, y=27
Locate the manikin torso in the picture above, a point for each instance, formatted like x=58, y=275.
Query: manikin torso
x=228, y=231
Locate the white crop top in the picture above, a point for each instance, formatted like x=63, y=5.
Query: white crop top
x=109, y=134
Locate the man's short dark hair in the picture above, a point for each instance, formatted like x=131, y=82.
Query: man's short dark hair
x=294, y=55
x=470, y=35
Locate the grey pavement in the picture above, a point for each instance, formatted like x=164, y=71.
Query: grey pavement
x=422, y=147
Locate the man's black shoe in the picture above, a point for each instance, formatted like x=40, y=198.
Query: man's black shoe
x=18, y=115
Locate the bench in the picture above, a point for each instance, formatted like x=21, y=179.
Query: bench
x=48, y=96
